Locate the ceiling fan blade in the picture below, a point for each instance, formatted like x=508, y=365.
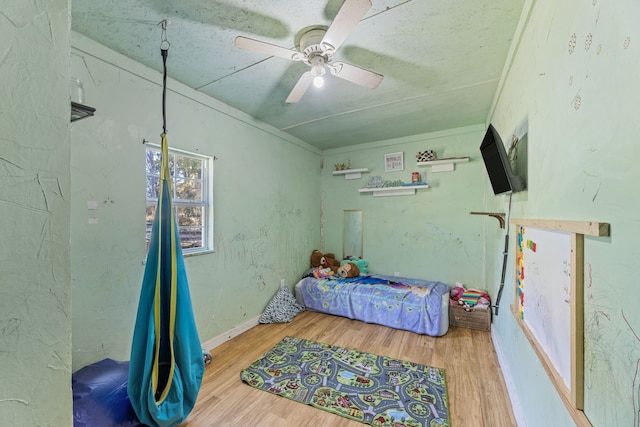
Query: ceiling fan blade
x=351, y=12
x=266, y=48
x=356, y=75
x=300, y=88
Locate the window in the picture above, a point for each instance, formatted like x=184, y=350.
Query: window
x=192, y=184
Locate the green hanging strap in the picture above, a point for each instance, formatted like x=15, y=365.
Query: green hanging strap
x=164, y=51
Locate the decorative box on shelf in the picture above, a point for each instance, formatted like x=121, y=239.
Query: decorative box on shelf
x=471, y=318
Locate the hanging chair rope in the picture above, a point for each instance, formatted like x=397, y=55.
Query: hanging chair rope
x=164, y=51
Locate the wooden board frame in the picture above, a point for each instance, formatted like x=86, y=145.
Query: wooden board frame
x=572, y=396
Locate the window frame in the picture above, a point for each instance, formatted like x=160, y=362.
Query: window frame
x=207, y=196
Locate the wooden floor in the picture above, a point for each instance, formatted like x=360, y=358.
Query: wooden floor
x=477, y=393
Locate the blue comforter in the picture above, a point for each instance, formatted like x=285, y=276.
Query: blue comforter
x=397, y=302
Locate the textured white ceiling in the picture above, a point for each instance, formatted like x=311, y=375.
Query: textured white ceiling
x=441, y=60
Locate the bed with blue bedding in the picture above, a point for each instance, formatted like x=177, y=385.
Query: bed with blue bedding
x=411, y=304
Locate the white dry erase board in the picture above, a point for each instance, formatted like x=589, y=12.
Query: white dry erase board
x=544, y=290
x=549, y=303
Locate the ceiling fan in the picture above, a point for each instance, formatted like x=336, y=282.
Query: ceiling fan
x=317, y=47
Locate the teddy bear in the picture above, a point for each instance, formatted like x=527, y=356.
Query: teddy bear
x=348, y=269
x=316, y=258
x=328, y=260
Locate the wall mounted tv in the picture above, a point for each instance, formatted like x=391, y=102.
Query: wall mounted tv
x=502, y=178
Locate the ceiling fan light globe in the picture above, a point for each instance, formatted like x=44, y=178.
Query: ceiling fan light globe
x=318, y=81
x=317, y=65
x=317, y=71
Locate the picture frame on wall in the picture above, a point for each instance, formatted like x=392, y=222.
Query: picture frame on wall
x=394, y=162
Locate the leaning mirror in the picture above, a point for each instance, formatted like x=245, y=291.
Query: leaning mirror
x=351, y=233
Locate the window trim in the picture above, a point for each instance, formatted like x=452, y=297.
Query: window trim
x=208, y=245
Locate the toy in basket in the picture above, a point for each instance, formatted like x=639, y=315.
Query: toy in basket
x=470, y=308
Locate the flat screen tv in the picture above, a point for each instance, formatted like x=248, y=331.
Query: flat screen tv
x=497, y=164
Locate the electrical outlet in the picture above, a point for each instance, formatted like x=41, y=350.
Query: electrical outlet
x=282, y=283
x=396, y=274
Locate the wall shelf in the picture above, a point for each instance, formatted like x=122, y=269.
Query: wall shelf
x=497, y=215
x=80, y=111
x=351, y=173
x=444, y=165
x=406, y=190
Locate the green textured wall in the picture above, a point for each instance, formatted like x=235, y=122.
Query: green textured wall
x=35, y=290
x=428, y=235
x=574, y=79
x=266, y=209
x=576, y=94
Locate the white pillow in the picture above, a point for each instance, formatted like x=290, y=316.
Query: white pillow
x=282, y=308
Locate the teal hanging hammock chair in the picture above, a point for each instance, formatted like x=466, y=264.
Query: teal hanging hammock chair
x=167, y=365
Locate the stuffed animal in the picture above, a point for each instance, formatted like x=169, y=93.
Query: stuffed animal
x=348, y=269
x=330, y=261
x=362, y=264
x=321, y=273
x=316, y=258
x=320, y=260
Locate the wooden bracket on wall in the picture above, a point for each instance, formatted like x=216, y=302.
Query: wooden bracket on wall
x=497, y=215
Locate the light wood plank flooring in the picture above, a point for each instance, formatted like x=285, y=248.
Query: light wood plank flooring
x=477, y=392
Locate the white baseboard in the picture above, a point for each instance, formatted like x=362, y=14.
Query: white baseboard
x=515, y=402
x=231, y=333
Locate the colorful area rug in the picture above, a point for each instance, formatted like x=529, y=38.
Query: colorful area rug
x=375, y=390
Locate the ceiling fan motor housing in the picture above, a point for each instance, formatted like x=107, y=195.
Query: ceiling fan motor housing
x=312, y=47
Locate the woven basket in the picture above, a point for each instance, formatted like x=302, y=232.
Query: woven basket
x=470, y=318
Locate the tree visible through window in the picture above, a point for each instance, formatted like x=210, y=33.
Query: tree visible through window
x=191, y=175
